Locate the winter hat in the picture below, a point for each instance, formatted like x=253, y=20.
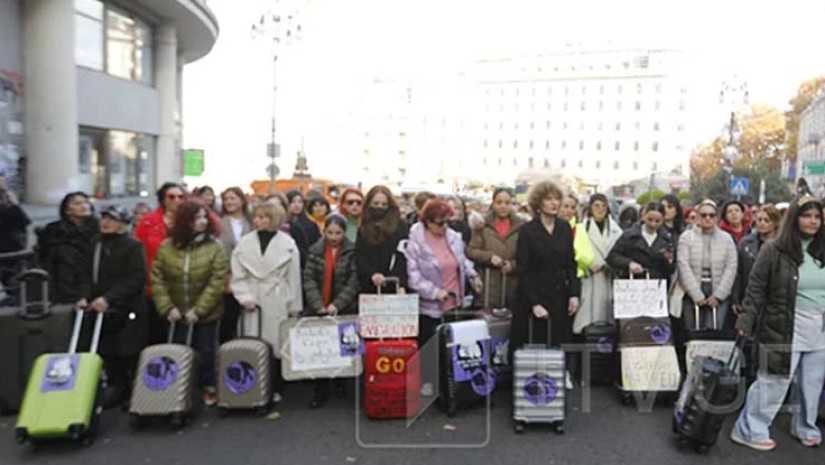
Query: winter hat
x=117, y=212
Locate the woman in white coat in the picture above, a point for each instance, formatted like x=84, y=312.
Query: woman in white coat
x=597, y=285
x=266, y=275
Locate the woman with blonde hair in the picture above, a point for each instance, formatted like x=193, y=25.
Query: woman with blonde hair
x=266, y=277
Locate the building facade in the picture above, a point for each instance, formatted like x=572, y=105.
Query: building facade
x=605, y=116
x=810, y=159
x=91, y=95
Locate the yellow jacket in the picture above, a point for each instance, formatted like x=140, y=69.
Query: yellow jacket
x=584, y=251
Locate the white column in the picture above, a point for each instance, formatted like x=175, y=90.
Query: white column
x=168, y=162
x=50, y=95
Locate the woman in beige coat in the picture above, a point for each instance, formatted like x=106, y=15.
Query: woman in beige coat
x=266, y=274
x=493, y=247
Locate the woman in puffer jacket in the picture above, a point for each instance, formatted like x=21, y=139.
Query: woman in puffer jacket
x=189, y=277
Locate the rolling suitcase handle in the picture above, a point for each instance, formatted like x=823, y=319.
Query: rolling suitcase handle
x=78, y=325
x=242, y=326
x=171, y=335
x=530, y=330
x=503, y=302
x=390, y=279
x=696, y=312
x=25, y=305
x=647, y=274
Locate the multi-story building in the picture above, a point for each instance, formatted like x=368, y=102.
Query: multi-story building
x=91, y=95
x=605, y=116
x=810, y=159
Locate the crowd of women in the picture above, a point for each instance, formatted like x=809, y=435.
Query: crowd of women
x=290, y=256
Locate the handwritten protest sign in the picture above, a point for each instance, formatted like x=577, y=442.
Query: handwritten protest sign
x=633, y=298
x=649, y=368
x=388, y=315
x=320, y=348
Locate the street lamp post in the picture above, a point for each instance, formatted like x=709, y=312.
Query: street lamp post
x=280, y=30
x=733, y=95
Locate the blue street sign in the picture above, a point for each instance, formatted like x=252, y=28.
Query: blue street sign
x=739, y=186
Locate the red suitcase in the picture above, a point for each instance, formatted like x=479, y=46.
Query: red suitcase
x=393, y=379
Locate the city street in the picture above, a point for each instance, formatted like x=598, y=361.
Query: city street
x=610, y=434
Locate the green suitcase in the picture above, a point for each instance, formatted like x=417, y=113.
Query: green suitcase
x=63, y=398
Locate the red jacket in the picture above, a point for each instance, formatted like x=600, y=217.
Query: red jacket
x=151, y=231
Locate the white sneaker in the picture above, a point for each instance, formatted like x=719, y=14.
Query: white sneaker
x=427, y=390
x=568, y=382
x=276, y=398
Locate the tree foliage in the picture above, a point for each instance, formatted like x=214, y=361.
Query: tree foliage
x=807, y=91
x=650, y=196
x=717, y=187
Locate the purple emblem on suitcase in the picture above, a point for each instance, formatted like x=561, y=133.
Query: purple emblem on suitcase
x=61, y=373
x=160, y=373
x=240, y=377
x=540, y=389
x=660, y=333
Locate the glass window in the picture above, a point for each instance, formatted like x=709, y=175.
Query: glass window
x=655, y=146
x=616, y=165
x=638, y=105
x=89, y=36
x=599, y=145
x=636, y=146
x=617, y=145
x=547, y=145
x=581, y=145
x=598, y=164
x=531, y=144
x=581, y=164
x=656, y=126
x=128, y=47
x=635, y=166
x=563, y=163
x=546, y=163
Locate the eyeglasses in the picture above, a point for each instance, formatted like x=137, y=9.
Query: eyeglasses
x=439, y=223
x=354, y=202
x=708, y=215
x=174, y=196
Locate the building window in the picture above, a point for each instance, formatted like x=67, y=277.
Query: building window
x=581, y=126
x=120, y=162
x=515, y=144
x=618, y=126
x=532, y=107
x=598, y=164
x=531, y=144
x=128, y=47
x=515, y=125
x=658, y=87
x=498, y=162
x=550, y=90
x=658, y=105
x=515, y=107
x=617, y=146
x=601, y=90
x=547, y=145
x=564, y=144
x=619, y=105
x=548, y=125
x=619, y=89
x=549, y=106
x=636, y=146
x=565, y=125
x=682, y=105
x=566, y=90
x=530, y=162
x=515, y=161
x=546, y=163
x=485, y=143
x=637, y=126
x=639, y=88
x=635, y=166
x=500, y=125
x=89, y=37
x=601, y=125
x=654, y=166
x=601, y=105
x=599, y=145
x=565, y=106
x=583, y=106
x=616, y=165
x=581, y=145
x=532, y=125
x=563, y=163
x=656, y=126
x=638, y=105
x=655, y=146
x=581, y=163
x=499, y=143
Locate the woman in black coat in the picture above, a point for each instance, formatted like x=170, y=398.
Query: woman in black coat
x=298, y=217
x=114, y=283
x=64, y=247
x=547, y=283
x=646, y=248
x=379, y=247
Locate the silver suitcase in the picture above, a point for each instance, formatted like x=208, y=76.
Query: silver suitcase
x=539, y=394
x=164, y=385
x=245, y=372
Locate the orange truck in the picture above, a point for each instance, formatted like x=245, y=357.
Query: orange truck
x=325, y=187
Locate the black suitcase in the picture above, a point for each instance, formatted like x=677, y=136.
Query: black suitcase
x=600, y=339
x=714, y=389
x=27, y=331
x=466, y=377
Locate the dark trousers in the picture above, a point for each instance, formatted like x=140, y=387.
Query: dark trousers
x=205, y=342
x=278, y=382
x=158, y=327
x=229, y=321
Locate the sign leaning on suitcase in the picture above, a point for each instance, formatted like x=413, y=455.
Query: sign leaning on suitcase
x=64, y=396
x=321, y=347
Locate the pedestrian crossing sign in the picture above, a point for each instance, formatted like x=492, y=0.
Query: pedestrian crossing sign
x=739, y=186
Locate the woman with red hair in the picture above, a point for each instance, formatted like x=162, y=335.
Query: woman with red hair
x=437, y=268
x=351, y=206
x=189, y=277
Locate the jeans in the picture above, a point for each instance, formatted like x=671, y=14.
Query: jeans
x=204, y=341
x=766, y=395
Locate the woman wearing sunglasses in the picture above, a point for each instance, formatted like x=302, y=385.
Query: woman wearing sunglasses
x=152, y=230
x=351, y=206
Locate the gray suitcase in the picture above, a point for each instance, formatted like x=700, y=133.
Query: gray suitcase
x=165, y=382
x=245, y=372
x=539, y=394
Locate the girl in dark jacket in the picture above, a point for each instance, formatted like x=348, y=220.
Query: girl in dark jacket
x=298, y=217
x=379, y=247
x=64, y=247
x=645, y=249
x=784, y=310
x=768, y=220
x=331, y=287
x=114, y=283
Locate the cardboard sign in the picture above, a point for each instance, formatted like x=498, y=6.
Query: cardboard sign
x=320, y=348
x=388, y=315
x=649, y=368
x=633, y=298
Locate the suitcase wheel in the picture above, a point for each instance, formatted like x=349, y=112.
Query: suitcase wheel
x=558, y=428
x=87, y=440
x=223, y=412
x=21, y=436
x=625, y=398
x=452, y=411
x=701, y=449
x=518, y=427
x=76, y=432
x=262, y=411
x=178, y=420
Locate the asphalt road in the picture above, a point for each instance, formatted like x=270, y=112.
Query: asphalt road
x=608, y=433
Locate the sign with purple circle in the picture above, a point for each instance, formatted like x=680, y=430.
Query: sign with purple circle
x=240, y=377
x=604, y=345
x=482, y=381
x=660, y=333
x=160, y=373
x=61, y=373
x=540, y=389
x=468, y=357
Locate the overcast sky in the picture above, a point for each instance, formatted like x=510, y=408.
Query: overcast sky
x=773, y=45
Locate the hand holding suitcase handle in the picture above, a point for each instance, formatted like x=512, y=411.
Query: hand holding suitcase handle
x=530, y=319
x=80, y=313
x=390, y=279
